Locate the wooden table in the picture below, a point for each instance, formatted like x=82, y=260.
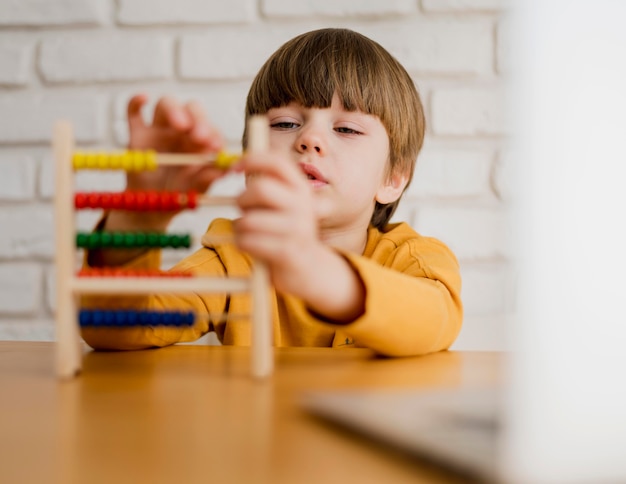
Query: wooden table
x=192, y=414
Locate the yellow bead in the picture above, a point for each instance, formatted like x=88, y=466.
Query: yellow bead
x=116, y=161
x=151, y=161
x=91, y=161
x=102, y=160
x=127, y=161
x=78, y=160
x=138, y=161
x=225, y=160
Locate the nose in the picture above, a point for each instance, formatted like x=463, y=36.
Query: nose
x=311, y=140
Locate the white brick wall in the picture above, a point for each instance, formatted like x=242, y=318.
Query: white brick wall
x=82, y=60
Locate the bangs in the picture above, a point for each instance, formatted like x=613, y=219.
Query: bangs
x=311, y=69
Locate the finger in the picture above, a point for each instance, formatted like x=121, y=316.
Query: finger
x=267, y=193
x=169, y=113
x=135, y=119
x=202, y=131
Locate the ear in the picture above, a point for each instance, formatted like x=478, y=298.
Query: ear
x=391, y=188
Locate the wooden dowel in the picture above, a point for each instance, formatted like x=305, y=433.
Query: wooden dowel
x=171, y=159
x=68, y=344
x=146, y=285
x=262, y=351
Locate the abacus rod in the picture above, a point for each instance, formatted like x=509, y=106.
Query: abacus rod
x=143, y=285
x=174, y=159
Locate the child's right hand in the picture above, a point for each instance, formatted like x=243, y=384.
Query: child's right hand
x=175, y=128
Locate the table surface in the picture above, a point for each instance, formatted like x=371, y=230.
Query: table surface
x=188, y=414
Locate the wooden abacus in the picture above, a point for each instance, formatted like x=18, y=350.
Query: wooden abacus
x=70, y=283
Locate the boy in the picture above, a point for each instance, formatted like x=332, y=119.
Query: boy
x=346, y=125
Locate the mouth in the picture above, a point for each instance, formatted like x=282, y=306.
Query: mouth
x=312, y=174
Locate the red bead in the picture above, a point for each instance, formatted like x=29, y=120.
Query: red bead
x=93, y=200
x=152, y=200
x=116, y=201
x=192, y=199
x=105, y=201
x=141, y=200
x=80, y=200
x=130, y=200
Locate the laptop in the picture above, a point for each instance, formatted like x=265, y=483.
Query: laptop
x=560, y=416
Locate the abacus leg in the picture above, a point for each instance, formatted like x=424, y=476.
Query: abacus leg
x=262, y=350
x=68, y=347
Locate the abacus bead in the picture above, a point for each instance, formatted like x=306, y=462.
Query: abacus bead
x=185, y=241
x=93, y=241
x=130, y=201
x=81, y=240
x=115, y=161
x=164, y=240
x=175, y=241
x=108, y=318
x=127, y=161
x=93, y=200
x=102, y=161
x=129, y=240
x=192, y=199
x=138, y=161
x=117, y=200
x=105, y=201
x=140, y=239
x=97, y=318
x=152, y=200
x=132, y=318
x=118, y=239
x=120, y=318
x=80, y=200
x=78, y=161
x=153, y=239
x=91, y=160
x=83, y=318
x=140, y=198
x=150, y=160
x=106, y=239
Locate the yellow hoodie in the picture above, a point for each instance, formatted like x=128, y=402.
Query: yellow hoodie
x=412, y=306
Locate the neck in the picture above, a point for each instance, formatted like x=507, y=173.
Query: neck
x=352, y=239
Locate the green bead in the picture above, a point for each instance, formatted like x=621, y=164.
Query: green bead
x=164, y=240
x=118, y=239
x=129, y=240
x=140, y=239
x=106, y=239
x=185, y=241
x=153, y=239
x=94, y=240
x=81, y=239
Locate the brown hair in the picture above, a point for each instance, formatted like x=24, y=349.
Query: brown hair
x=312, y=67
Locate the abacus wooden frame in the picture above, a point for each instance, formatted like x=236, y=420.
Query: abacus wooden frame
x=69, y=286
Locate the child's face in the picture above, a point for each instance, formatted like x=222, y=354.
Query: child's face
x=343, y=153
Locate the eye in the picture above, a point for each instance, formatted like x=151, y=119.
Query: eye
x=284, y=125
x=346, y=130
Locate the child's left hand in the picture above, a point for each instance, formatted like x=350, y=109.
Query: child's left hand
x=279, y=226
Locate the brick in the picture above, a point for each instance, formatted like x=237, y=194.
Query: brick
x=151, y=12
x=484, y=333
x=21, y=329
x=100, y=57
x=16, y=58
x=58, y=12
x=451, y=172
x=468, y=111
x=503, y=46
x=463, y=5
x=229, y=53
x=442, y=47
x=472, y=232
x=222, y=103
x=20, y=288
x=17, y=182
x=27, y=231
x=336, y=8
x=30, y=117
x=487, y=288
